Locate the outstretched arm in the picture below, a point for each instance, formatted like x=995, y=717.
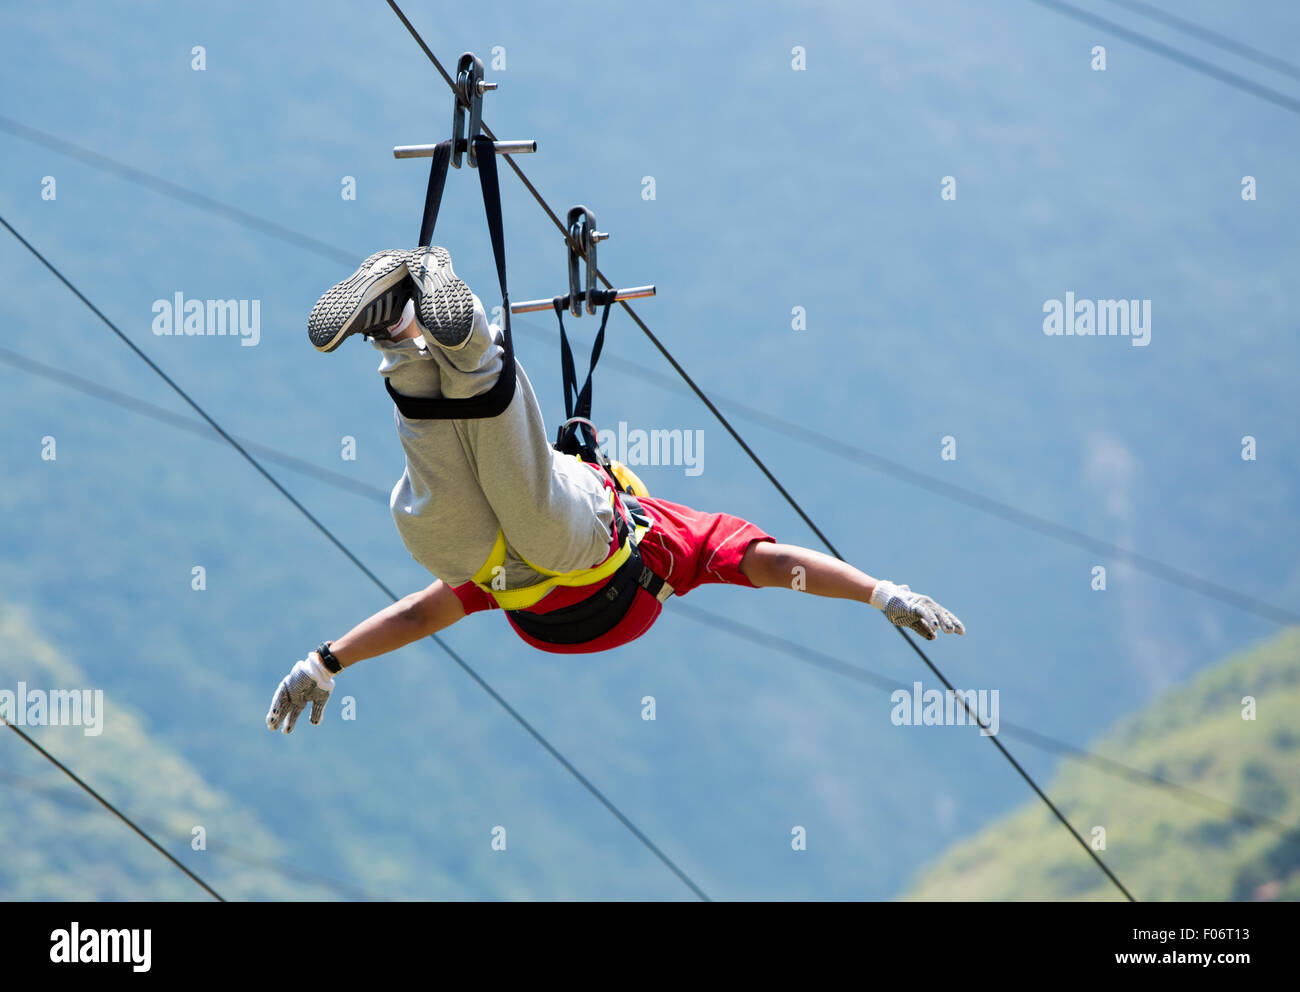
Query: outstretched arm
x=409, y=619
x=768, y=564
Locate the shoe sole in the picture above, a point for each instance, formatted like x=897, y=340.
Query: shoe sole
x=446, y=304
x=337, y=313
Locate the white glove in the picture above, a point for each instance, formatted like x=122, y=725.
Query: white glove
x=904, y=608
x=309, y=681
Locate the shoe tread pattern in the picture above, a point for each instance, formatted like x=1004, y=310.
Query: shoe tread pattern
x=446, y=303
x=336, y=313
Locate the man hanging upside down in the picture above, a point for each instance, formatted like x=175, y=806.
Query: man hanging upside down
x=504, y=520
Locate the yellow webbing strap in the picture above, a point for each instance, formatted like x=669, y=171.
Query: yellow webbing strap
x=522, y=598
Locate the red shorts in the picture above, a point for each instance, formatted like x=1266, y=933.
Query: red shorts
x=686, y=547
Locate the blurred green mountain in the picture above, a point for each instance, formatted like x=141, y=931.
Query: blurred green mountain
x=60, y=844
x=1198, y=735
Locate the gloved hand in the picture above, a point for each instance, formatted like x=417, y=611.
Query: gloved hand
x=308, y=682
x=904, y=608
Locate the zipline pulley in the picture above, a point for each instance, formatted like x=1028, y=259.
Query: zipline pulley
x=581, y=243
x=582, y=233
x=469, y=88
x=577, y=435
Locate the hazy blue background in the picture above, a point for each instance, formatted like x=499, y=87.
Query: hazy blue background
x=775, y=189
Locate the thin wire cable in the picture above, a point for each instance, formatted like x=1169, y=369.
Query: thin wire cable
x=74, y=800
x=780, y=488
x=115, y=811
x=1256, y=55
x=175, y=190
x=181, y=422
x=1175, y=55
x=1108, y=766
x=707, y=618
x=977, y=501
x=329, y=535
x=992, y=738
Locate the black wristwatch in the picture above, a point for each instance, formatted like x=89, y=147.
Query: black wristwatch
x=327, y=658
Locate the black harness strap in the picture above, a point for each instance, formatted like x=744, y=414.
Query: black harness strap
x=577, y=436
x=599, y=613
x=577, y=402
x=496, y=399
x=433, y=196
x=596, y=615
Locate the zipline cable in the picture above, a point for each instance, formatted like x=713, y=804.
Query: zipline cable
x=151, y=410
x=777, y=484
x=1108, y=766
x=174, y=190
x=1256, y=55
x=464, y=666
x=767, y=639
x=968, y=497
x=1175, y=55
x=977, y=501
x=113, y=809
x=296, y=873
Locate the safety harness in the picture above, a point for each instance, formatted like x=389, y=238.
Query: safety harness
x=624, y=571
x=602, y=611
x=616, y=580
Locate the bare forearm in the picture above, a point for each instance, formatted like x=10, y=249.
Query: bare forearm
x=802, y=569
x=409, y=619
x=311, y=680
x=768, y=564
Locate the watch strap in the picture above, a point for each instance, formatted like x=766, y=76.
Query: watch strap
x=327, y=658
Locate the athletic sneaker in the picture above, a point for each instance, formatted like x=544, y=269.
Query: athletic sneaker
x=366, y=303
x=446, y=305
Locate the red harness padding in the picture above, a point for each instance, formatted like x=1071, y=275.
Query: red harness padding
x=582, y=619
